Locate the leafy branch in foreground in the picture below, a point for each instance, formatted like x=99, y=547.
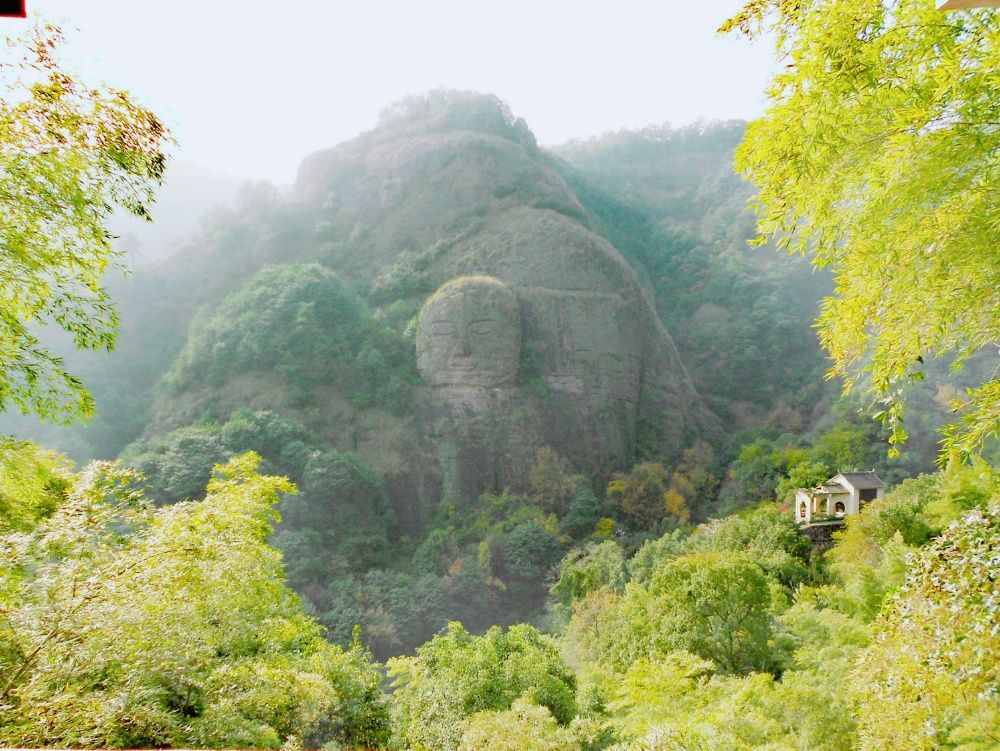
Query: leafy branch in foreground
x=929, y=679
x=122, y=625
x=69, y=154
x=880, y=158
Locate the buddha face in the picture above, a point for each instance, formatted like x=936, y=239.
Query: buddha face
x=469, y=334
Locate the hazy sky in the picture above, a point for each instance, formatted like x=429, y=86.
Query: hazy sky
x=249, y=92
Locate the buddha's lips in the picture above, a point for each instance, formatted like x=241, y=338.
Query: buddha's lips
x=464, y=365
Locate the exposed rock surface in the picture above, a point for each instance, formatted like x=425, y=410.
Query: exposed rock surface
x=463, y=250
x=470, y=334
x=536, y=331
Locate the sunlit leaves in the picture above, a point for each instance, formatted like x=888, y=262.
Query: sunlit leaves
x=523, y=727
x=930, y=678
x=880, y=158
x=128, y=626
x=32, y=483
x=69, y=154
x=456, y=675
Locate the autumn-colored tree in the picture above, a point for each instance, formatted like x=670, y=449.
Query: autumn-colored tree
x=551, y=483
x=642, y=496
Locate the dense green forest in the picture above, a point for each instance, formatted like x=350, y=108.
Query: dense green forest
x=733, y=634
x=315, y=372
x=464, y=443
x=256, y=338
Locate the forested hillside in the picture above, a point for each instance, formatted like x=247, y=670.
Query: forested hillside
x=741, y=317
x=277, y=329
x=463, y=444
x=734, y=634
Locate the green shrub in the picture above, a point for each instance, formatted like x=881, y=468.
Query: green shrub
x=456, y=675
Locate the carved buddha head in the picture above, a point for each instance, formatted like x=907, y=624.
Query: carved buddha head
x=469, y=334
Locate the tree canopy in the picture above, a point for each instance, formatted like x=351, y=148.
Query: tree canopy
x=69, y=154
x=127, y=626
x=929, y=679
x=879, y=157
x=456, y=675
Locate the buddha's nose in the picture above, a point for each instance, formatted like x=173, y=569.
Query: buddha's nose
x=463, y=346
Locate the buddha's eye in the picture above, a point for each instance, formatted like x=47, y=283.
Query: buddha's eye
x=443, y=328
x=480, y=328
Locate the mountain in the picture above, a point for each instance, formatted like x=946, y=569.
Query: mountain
x=741, y=317
x=188, y=192
x=452, y=340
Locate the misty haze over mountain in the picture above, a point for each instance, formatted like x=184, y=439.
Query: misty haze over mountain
x=249, y=90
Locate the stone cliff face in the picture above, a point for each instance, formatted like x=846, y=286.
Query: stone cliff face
x=532, y=330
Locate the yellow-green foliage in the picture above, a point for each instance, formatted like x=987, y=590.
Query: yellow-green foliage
x=523, y=727
x=678, y=705
x=32, y=483
x=880, y=158
x=930, y=678
x=716, y=604
x=892, y=641
x=456, y=675
x=127, y=626
x=600, y=566
x=69, y=154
